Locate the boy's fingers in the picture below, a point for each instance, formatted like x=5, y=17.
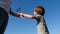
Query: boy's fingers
x=21, y=15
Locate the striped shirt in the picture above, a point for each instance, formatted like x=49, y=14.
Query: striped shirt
x=41, y=25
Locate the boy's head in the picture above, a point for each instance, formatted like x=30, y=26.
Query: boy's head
x=39, y=10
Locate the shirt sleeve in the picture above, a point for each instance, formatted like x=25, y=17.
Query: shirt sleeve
x=38, y=17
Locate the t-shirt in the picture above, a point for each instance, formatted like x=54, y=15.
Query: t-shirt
x=6, y=5
x=41, y=24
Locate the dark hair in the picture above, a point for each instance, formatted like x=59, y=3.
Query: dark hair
x=41, y=12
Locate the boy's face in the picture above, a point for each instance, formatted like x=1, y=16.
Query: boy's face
x=35, y=13
x=37, y=9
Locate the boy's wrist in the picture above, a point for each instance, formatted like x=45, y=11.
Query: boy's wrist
x=23, y=15
x=17, y=15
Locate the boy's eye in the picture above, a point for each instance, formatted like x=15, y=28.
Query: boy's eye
x=35, y=10
x=38, y=10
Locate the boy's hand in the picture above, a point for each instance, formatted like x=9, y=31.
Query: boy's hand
x=21, y=15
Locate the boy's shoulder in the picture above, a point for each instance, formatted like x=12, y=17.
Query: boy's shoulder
x=38, y=16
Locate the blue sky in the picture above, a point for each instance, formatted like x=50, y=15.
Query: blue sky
x=28, y=26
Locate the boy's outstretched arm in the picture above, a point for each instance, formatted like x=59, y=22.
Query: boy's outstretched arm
x=28, y=16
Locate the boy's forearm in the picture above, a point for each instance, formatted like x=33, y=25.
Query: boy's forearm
x=27, y=15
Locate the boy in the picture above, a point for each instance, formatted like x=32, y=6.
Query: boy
x=39, y=16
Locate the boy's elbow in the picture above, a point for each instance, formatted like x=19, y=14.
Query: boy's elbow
x=32, y=17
